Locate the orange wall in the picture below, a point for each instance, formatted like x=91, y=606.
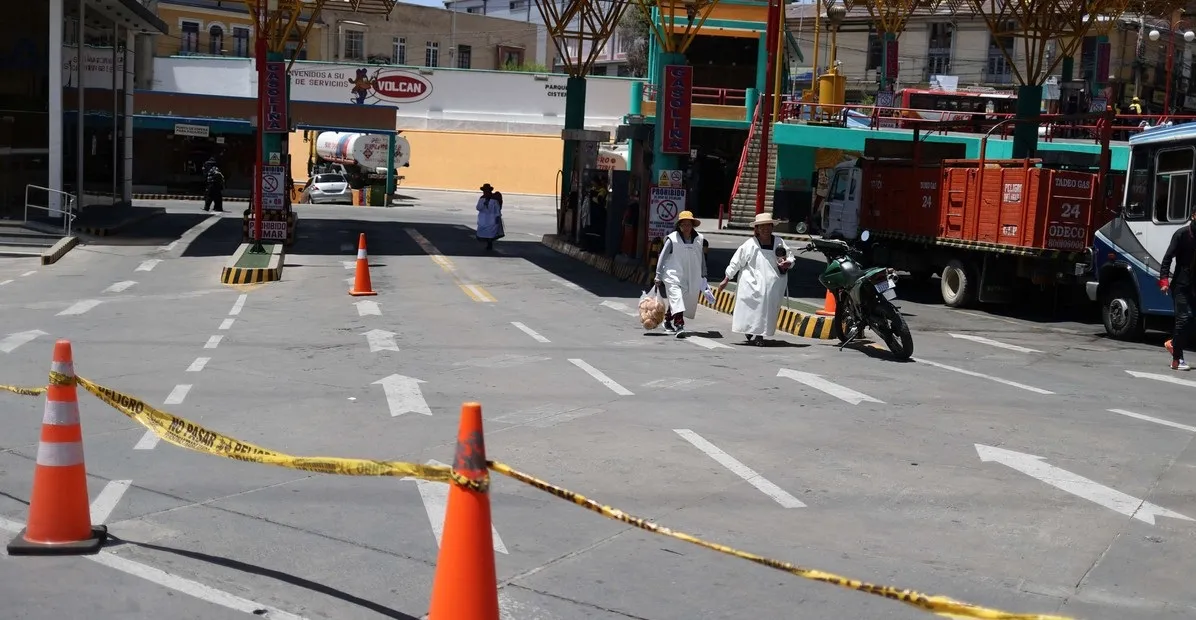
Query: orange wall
x=514, y=163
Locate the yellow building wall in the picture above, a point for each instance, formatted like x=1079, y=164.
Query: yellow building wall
x=300, y=153
x=512, y=163
x=174, y=15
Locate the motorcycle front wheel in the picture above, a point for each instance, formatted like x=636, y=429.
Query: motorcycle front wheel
x=895, y=331
x=843, y=324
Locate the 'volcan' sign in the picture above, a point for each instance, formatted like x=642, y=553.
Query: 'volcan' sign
x=676, y=95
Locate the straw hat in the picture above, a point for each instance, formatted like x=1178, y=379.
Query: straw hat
x=688, y=215
x=763, y=218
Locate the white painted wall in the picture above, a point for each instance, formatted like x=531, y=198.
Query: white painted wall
x=451, y=94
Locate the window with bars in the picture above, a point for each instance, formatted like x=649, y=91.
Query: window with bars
x=398, y=52
x=189, y=38
x=938, y=50
x=354, y=45
x=997, y=69
x=432, y=54
x=216, y=40
x=464, y=56
x=241, y=41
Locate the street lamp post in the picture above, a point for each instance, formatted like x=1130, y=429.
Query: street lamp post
x=1154, y=35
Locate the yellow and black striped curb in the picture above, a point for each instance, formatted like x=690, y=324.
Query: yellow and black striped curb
x=981, y=246
x=789, y=320
x=182, y=197
x=232, y=274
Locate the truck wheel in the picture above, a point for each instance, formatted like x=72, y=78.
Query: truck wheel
x=1121, y=313
x=958, y=286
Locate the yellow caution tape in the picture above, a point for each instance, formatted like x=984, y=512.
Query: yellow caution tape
x=939, y=605
x=23, y=391
x=187, y=434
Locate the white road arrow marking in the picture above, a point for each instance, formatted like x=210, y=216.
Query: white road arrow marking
x=80, y=307
x=148, y=265
x=739, y=469
x=1163, y=378
x=381, y=340
x=403, y=395
x=1077, y=485
x=12, y=341
x=120, y=287
x=834, y=389
x=995, y=343
x=107, y=500
x=1131, y=414
x=367, y=307
x=435, y=496
x=706, y=343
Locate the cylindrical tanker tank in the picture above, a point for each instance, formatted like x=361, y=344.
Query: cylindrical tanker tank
x=360, y=149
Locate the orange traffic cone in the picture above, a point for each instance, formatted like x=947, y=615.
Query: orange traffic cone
x=466, y=584
x=829, y=306
x=361, y=278
x=59, y=512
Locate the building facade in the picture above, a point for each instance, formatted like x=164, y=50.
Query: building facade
x=64, y=61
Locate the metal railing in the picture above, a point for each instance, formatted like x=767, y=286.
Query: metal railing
x=708, y=95
x=67, y=210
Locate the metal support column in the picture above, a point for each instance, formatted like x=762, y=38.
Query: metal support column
x=115, y=110
x=81, y=110
x=1025, y=131
x=54, y=106
x=390, y=169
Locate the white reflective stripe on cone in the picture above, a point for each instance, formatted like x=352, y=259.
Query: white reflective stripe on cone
x=66, y=368
x=360, y=253
x=60, y=454
x=61, y=413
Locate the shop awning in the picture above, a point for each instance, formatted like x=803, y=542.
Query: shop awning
x=219, y=126
x=130, y=14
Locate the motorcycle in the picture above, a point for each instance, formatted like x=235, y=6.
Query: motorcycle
x=863, y=297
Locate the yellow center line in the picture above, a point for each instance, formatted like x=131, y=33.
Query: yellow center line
x=475, y=291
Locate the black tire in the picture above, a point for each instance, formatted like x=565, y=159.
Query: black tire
x=958, y=285
x=1121, y=313
x=895, y=332
x=842, y=323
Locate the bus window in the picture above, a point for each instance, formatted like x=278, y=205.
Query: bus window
x=1138, y=185
x=1173, y=176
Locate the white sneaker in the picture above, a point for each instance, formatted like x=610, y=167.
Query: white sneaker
x=1180, y=365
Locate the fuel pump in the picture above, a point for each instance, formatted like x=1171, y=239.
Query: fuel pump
x=570, y=216
x=639, y=138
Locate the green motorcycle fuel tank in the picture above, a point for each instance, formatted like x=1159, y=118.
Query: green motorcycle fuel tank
x=840, y=274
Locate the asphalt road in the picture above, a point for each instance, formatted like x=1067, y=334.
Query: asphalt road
x=1012, y=464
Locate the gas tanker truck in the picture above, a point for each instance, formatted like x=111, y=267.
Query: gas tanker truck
x=361, y=157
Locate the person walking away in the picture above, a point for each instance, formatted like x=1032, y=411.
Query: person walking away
x=681, y=271
x=762, y=263
x=213, y=197
x=489, y=216
x=1181, y=287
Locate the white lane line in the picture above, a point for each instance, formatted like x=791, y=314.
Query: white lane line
x=620, y=307
x=148, y=265
x=749, y=475
x=120, y=287
x=198, y=364
x=1163, y=378
x=107, y=500
x=995, y=343
x=1021, y=386
x=11, y=342
x=1182, y=427
x=170, y=246
x=366, y=307
x=80, y=307
x=844, y=394
x=3, y=282
x=567, y=284
x=213, y=342
x=530, y=332
x=478, y=293
x=178, y=394
x=603, y=379
x=435, y=496
x=1014, y=322
x=237, y=306
x=349, y=264
x=227, y=323
x=175, y=582
x=27, y=274
x=706, y=343
x=148, y=441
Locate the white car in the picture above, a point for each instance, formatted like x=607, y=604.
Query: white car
x=327, y=188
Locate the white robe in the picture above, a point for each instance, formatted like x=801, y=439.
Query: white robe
x=761, y=287
x=489, y=225
x=682, y=269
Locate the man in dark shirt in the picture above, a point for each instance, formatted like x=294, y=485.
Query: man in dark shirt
x=1183, y=251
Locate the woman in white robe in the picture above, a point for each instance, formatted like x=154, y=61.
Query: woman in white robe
x=681, y=271
x=489, y=216
x=763, y=263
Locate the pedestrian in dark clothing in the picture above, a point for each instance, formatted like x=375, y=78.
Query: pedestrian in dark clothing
x=1181, y=287
x=213, y=189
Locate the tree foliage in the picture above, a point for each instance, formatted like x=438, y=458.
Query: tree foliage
x=636, y=29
